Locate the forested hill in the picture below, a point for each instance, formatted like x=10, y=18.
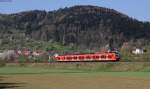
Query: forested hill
x=82, y=26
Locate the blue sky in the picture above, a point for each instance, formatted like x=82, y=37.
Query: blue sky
x=138, y=9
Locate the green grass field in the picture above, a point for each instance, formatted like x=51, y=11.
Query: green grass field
x=56, y=78
x=50, y=71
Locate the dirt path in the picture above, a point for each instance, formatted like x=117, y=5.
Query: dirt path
x=73, y=82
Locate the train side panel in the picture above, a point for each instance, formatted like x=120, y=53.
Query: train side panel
x=88, y=57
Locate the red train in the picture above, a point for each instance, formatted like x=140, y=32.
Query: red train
x=105, y=56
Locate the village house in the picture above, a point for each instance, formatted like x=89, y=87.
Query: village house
x=138, y=51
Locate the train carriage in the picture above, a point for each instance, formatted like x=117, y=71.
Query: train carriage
x=106, y=56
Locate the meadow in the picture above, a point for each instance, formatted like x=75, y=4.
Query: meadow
x=60, y=77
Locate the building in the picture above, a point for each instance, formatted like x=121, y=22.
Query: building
x=138, y=51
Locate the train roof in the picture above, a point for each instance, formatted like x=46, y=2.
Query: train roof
x=86, y=54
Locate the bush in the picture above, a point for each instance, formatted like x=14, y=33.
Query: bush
x=2, y=63
x=22, y=59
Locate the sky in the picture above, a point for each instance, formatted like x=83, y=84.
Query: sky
x=138, y=9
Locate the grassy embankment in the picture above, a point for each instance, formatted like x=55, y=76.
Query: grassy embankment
x=45, y=78
x=66, y=72
x=56, y=68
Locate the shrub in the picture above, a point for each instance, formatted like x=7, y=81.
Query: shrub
x=2, y=63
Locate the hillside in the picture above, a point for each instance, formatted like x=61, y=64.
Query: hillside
x=79, y=26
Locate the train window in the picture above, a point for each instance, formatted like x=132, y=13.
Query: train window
x=97, y=56
x=109, y=56
x=81, y=57
x=75, y=57
x=88, y=57
x=103, y=56
x=94, y=57
x=69, y=58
